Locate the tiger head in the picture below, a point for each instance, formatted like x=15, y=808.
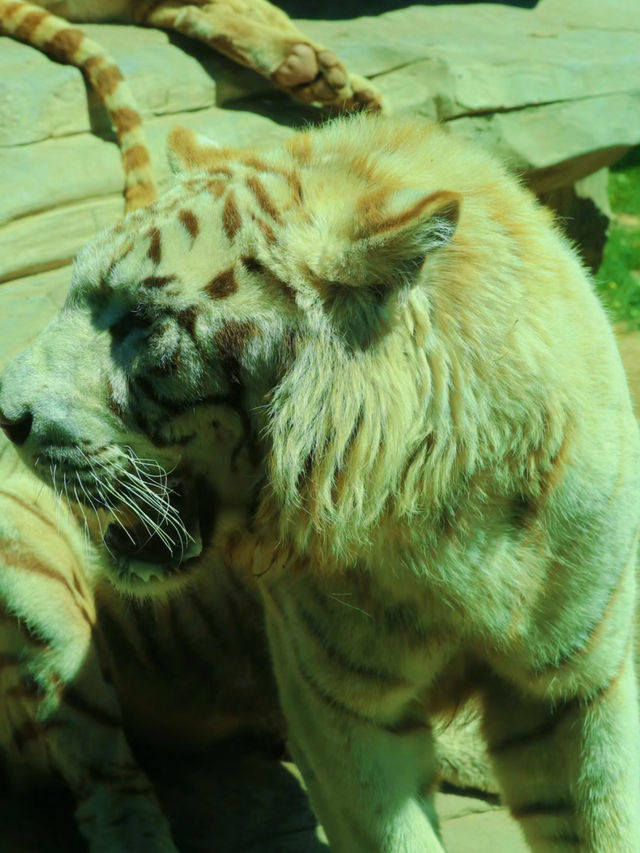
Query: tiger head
x=218, y=344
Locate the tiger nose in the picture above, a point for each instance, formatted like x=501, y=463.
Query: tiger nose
x=17, y=431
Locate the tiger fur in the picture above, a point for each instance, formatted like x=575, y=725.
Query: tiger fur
x=251, y=32
x=443, y=498
x=86, y=672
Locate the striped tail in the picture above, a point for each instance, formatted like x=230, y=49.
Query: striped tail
x=56, y=38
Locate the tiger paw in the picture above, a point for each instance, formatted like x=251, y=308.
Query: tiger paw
x=317, y=76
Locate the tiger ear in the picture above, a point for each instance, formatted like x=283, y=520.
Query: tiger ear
x=391, y=236
x=188, y=151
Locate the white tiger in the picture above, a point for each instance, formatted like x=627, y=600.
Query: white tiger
x=442, y=492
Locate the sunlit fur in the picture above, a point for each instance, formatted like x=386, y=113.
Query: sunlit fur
x=442, y=487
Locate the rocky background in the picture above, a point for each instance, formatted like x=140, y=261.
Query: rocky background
x=555, y=89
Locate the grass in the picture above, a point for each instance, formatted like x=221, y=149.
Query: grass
x=618, y=279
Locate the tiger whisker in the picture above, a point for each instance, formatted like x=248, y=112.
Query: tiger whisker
x=148, y=523
x=86, y=523
x=66, y=491
x=52, y=474
x=93, y=506
x=148, y=498
x=157, y=501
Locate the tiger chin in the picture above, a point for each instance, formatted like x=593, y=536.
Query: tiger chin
x=409, y=430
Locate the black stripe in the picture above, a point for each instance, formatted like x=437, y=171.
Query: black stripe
x=545, y=730
x=326, y=698
x=115, y=637
x=209, y=620
x=339, y=657
x=148, y=644
x=79, y=703
x=184, y=650
x=543, y=807
x=30, y=731
x=8, y=660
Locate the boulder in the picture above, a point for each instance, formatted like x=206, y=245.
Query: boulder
x=554, y=89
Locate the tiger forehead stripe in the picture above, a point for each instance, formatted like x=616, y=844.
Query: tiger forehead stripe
x=11, y=9
x=231, y=221
x=252, y=264
x=187, y=319
x=232, y=338
x=262, y=197
x=190, y=222
x=222, y=285
x=255, y=162
x=156, y=281
x=301, y=148
x=220, y=170
x=266, y=229
x=296, y=187
x=215, y=186
x=373, y=202
x=155, y=246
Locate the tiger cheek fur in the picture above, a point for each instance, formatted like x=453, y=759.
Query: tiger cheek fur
x=375, y=354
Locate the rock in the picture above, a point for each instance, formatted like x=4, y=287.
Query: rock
x=490, y=829
x=26, y=306
x=584, y=213
x=40, y=99
x=555, y=90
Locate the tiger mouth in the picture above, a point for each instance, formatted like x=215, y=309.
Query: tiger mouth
x=164, y=542
x=152, y=524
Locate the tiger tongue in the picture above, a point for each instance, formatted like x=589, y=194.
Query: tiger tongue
x=137, y=543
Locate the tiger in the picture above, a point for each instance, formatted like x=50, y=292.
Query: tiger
x=253, y=33
x=441, y=502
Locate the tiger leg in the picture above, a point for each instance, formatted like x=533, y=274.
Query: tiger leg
x=570, y=771
x=371, y=785
x=276, y=49
x=59, y=712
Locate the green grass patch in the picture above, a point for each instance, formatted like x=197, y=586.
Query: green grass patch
x=618, y=279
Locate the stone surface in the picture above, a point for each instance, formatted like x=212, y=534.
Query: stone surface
x=555, y=89
x=584, y=211
x=26, y=306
